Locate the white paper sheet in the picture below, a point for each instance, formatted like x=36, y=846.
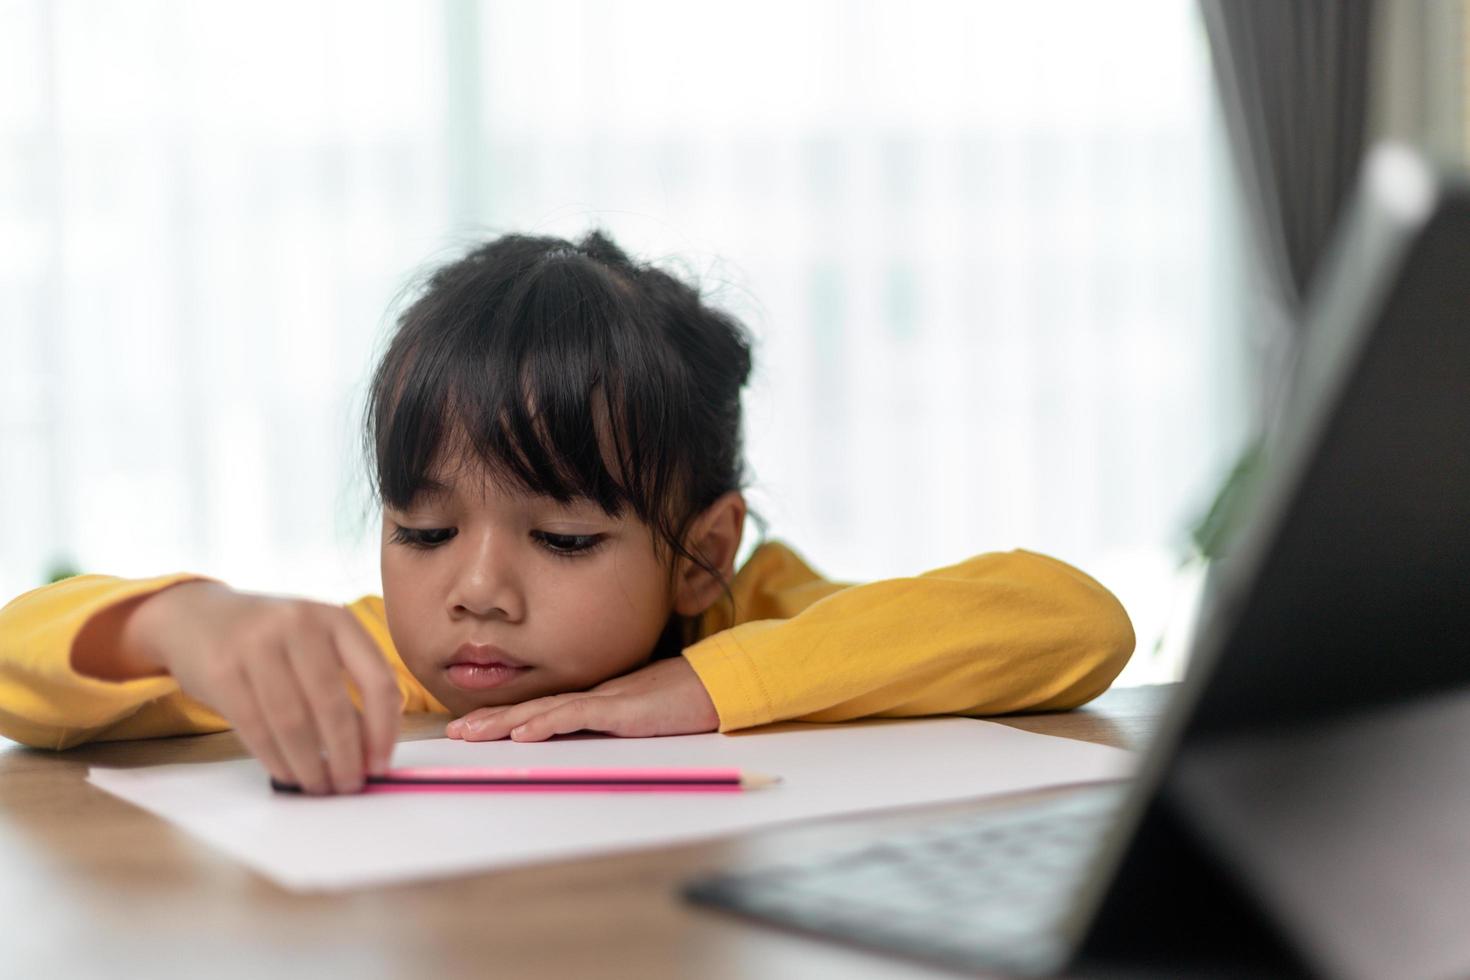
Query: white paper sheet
x=336, y=843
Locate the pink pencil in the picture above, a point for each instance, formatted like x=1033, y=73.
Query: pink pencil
x=472, y=780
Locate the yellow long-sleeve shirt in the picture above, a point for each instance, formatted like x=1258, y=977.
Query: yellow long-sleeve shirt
x=1000, y=632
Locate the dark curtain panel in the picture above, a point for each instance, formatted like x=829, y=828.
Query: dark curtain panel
x=1292, y=77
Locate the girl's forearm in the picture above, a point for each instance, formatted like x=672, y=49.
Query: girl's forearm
x=126, y=641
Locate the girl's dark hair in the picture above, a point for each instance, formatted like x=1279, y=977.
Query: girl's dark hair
x=569, y=371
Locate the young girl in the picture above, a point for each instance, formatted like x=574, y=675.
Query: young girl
x=556, y=437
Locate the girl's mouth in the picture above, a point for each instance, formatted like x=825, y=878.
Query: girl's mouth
x=479, y=677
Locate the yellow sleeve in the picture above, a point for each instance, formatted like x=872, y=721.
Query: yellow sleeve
x=1001, y=632
x=45, y=703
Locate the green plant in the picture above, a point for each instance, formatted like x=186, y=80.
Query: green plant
x=61, y=568
x=1210, y=535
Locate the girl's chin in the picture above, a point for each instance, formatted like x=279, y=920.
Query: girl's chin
x=461, y=702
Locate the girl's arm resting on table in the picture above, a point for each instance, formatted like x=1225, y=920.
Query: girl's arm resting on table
x=1002, y=632
x=999, y=633
x=72, y=671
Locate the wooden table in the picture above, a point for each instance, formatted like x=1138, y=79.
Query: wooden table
x=91, y=886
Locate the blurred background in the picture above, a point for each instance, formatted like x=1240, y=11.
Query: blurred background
x=991, y=254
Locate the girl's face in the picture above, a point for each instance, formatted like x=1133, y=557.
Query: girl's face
x=494, y=597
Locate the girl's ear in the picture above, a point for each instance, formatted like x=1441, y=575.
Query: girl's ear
x=715, y=536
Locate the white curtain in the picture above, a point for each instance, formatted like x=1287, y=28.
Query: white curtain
x=987, y=250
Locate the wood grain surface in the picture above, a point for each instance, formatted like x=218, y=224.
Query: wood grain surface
x=92, y=886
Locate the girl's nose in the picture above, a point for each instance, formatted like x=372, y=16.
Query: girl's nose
x=489, y=586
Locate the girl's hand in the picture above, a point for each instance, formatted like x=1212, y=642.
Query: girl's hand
x=275, y=669
x=664, y=698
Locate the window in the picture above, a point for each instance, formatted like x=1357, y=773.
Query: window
x=986, y=250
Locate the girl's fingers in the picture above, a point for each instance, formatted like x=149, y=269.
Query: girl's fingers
x=382, y=704
x=288, y=718
x=591, y=713
x=238, y=705
x=314, y=658
x=488, y=724
x=485, y=724
x=474, y=719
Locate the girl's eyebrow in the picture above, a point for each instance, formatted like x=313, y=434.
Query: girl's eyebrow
x=441, y=488
x=430, y=490
x=433, y=491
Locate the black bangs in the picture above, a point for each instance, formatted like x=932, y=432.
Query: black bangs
x=543, y=366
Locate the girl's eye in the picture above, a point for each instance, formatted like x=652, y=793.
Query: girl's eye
x=567, y=545
x=561, y=545
x=426, y=538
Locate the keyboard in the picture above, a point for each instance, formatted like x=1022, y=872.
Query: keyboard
x=987, y=890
